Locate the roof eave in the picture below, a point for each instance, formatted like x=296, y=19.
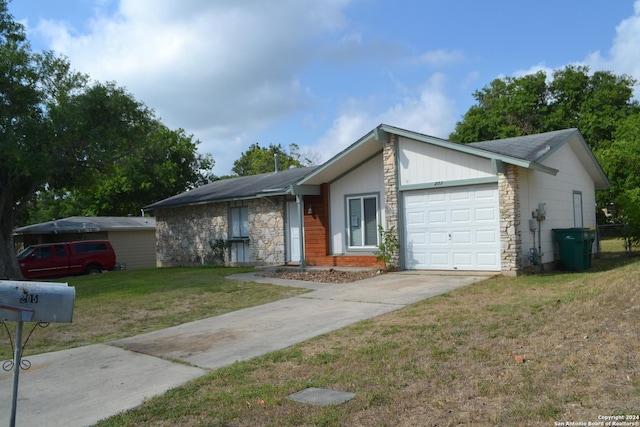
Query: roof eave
x=603, y=183
x=225, y=200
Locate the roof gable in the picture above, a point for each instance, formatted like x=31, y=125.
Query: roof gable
x=528, y=151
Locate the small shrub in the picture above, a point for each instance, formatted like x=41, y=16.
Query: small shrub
x=388, y=247
x=219, y=250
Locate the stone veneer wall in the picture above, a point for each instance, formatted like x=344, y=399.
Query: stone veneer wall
x=510, y=238
x=389, y=165
x=267, y=231
x=183, y=233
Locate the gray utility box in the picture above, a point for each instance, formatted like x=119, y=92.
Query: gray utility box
x=36, y=301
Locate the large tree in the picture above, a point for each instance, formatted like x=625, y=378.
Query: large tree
x=572, y=97
x=28, y=83
x=63, y=134
x=621, y=162
x=259, y=159
x=167, y=163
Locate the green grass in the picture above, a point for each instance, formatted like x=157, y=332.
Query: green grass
x=446, y=361
x=616, y=245
x=120, y=304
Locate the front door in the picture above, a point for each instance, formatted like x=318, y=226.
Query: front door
x=293, y=238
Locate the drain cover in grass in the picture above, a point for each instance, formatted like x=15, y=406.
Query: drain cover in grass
x=321, y=396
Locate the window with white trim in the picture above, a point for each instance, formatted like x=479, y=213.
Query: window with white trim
x=239, y=222
x=362, y=220
x=577, y=209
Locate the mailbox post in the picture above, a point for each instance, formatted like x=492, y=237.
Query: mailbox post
x=20, y=302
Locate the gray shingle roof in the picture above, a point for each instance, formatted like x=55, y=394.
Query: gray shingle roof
x=237, y=188
x=79, y=224
x=532, y=148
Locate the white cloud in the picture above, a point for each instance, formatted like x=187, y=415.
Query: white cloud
x=441, y=57
x=220, y=70
x=534, y=69
x=624, y=55
x=430, y=111
x=346, y=130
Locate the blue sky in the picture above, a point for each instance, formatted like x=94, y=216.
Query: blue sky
x=322, y=74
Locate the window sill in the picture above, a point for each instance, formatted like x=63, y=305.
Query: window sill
x=369, y=250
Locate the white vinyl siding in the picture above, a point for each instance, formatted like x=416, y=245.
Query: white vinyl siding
x=367, y=179
x=557, y=193
x=422, y=163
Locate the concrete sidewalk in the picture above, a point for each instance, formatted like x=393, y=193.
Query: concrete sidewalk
x=78, y=387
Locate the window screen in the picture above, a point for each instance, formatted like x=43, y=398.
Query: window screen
x=239, y=222
x=362, y=218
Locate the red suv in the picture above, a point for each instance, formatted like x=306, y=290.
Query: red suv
x=67, y=259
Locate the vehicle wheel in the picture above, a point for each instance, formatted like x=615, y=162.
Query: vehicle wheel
x=93, y=269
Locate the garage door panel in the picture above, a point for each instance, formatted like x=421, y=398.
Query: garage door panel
x=438, y=260
x=487, y=237
x=438, y=238
x=453, y=228
x=459, y=196
x=416, y=218
x=435, y=197
x=417, y=238
x=461, y=237
x=487, y=259
x=437, y=216
x=486, y=214
x=486, y=194
x=414, y=198
x=463, y=260
x=460, y=216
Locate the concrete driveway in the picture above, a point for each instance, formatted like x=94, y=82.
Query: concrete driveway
x=81, y=386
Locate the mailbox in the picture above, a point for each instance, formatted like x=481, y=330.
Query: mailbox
x=36, y=301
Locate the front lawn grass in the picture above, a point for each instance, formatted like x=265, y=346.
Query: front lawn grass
x=125, y=303
x=528, y=350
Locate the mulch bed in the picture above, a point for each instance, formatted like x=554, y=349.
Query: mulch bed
x=322, y=275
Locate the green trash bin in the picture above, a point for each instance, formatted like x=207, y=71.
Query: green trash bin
x=575, y=247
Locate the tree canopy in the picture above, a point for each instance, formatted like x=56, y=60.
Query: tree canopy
x=599, y=104
x=65, y=138
x=164, y=165
x=621, y=162
x=257, y=159
x=572, y=98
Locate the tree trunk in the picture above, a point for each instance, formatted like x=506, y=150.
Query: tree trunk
x=9, y=268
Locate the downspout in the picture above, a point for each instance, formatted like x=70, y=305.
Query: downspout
x=299, y=202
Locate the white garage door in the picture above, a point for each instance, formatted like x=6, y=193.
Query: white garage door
x=455, y=228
